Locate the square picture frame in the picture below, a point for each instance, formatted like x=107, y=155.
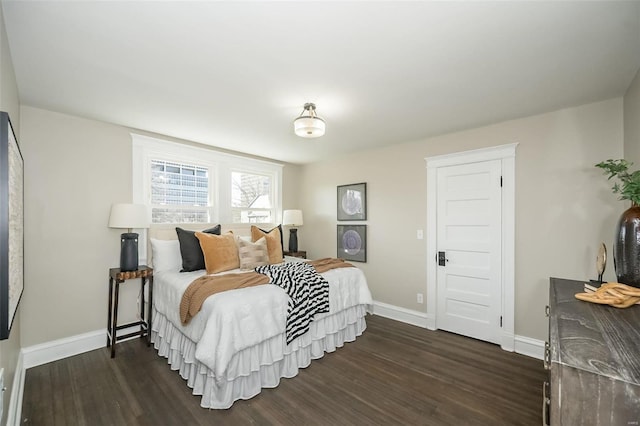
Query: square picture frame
x=11, y=225
x=352, y=201
x=352, y=242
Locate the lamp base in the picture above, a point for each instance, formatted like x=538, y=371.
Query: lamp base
x=129, y=251
x=293, y=240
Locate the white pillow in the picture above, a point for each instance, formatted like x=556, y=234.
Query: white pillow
x=166, y=255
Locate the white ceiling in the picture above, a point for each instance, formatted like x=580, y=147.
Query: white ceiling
x=236, y=74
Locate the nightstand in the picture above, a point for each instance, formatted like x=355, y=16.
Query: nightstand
x=117, y=277
x=302, y=254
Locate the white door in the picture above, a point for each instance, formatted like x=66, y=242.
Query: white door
x=469, y=244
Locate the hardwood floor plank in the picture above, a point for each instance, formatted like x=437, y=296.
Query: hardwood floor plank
x=393, y=374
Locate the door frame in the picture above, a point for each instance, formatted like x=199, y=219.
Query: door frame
x=507, y=155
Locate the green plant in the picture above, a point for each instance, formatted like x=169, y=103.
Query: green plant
x=629, y=185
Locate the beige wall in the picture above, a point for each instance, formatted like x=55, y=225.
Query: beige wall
x=76, y=168
x=632, y=122
x=10, y=348
x=563, y=205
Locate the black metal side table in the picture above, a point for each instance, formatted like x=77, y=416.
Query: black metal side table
x=117, y=277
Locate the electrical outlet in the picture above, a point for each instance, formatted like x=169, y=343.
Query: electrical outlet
x=419, y=234
x=420, y=299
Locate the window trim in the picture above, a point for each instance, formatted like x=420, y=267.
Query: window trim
x=220, y=164
x=235, y=169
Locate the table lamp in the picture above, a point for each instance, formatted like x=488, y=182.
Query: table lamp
x=292, y=218
x=129, y=216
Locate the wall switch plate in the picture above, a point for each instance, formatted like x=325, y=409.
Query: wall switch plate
x=419, y=234
x=420, y=298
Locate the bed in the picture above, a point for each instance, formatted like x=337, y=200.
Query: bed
x=236, y=345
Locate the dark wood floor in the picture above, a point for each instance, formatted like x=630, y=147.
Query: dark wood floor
x=393, y=374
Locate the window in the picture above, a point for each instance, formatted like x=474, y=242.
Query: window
x=251, y=198
x=179, y=193
x=186, y=184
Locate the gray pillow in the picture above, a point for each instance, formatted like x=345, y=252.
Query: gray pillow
x=190, y=250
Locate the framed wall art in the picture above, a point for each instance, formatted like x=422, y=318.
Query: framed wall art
x=352, y=202
x=352, y=242
x=11, y=225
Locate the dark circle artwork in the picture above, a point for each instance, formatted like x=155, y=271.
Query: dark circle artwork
x=351, y=242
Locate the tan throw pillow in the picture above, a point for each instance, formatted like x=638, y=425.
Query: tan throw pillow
x=220, y=252
x=274, y=242
x=251, y=254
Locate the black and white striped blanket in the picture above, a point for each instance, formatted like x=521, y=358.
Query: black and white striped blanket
x=308, y=293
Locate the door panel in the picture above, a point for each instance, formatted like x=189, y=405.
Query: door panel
x=469, y=285
x=468, y=311
x=469, y=207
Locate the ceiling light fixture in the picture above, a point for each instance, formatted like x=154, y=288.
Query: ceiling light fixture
x=308, y=124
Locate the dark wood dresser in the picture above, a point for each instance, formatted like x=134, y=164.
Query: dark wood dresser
x=593, y=357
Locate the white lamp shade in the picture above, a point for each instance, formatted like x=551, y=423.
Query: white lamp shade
x=309, y=127
x=129, y=216
x=292, y=218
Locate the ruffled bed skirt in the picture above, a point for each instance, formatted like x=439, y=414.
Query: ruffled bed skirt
x=257, y=367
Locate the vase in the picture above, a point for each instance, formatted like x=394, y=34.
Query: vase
x=626, y=250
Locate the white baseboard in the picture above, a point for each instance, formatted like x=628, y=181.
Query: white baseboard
x=507, y=341
x=431, y=322
x=523, y=345
x=14, y=414
x=530, y=347
x=397, y=313
x=62, y=348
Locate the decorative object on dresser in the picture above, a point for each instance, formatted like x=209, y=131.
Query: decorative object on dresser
x=130, y=216
x=601, y=262
x=11, y=225
x=626, y=253
x=292, y=218
x=593, y=360
x=308, y=124
x=352, y=202
x=117, y=277
x=612, y=294
x=352, y=242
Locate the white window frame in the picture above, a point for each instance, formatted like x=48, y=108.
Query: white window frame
x=220, y=164
x=252, y=172
x=211, y=193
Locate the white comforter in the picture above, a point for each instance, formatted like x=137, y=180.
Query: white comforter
x=238, y=319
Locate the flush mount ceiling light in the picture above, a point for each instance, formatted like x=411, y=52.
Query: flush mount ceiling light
x=308, y=124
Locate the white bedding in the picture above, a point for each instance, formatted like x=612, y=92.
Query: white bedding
x=233, y=321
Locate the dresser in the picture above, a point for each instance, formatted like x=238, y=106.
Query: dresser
x=593, y=359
